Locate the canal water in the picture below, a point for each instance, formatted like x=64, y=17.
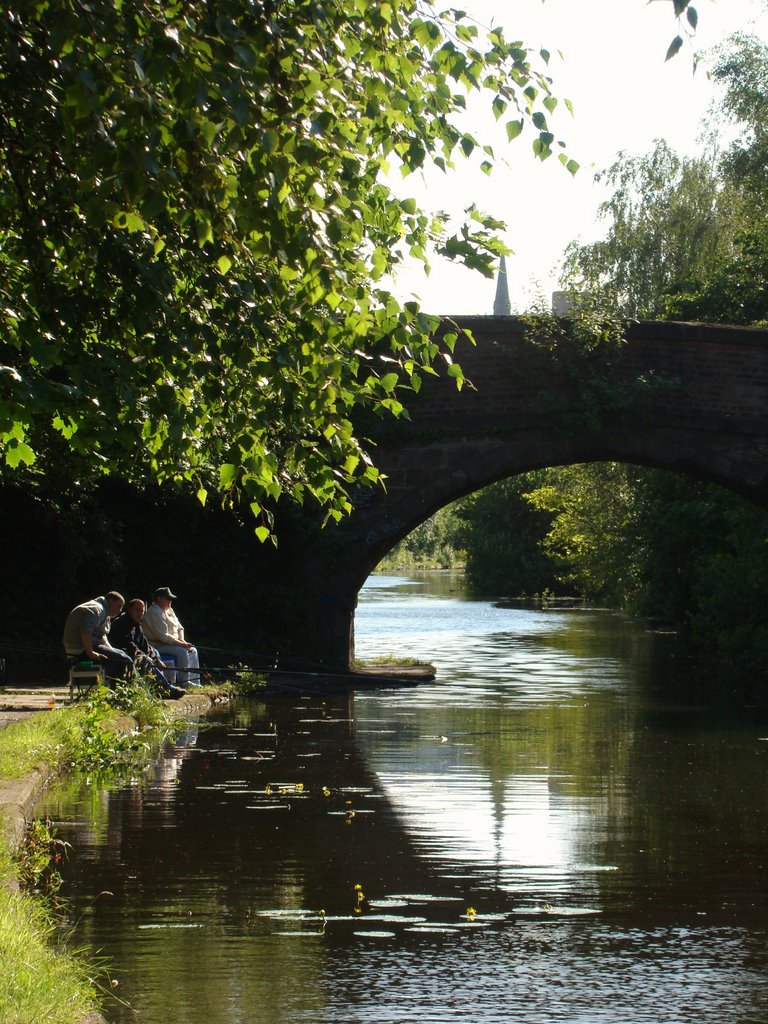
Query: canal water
x=560, y=827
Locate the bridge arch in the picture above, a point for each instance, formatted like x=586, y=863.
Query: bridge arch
x=691, y=398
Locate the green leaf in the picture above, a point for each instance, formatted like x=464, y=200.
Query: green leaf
x=66, y=429
x=17, y=453
x=674, y=47
x=388, y=381
x=204, y=227
x=262, y=533
x=224, y=263
x=128, y=220
x=455, y=371
x=228, y=473
x=514, y=128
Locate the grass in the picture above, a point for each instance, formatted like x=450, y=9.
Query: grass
x=40, y=982
x=76, y=737
x=390, y=659
x=43, y=738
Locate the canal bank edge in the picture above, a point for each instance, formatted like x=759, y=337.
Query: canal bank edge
x=19, y=796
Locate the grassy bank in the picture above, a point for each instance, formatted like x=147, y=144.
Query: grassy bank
x=41, y=980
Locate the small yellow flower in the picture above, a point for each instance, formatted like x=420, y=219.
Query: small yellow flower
x=471, y=911
x=326, y=791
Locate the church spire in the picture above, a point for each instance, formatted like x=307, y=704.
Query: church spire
x=501, y=304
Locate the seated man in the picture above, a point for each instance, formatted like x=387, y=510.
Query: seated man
x=164, y=631
x=86, y=630
x=126, y=634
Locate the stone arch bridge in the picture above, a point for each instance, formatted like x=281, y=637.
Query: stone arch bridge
x=687, y=397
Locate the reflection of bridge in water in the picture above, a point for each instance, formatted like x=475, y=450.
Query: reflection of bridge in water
x=690, y=398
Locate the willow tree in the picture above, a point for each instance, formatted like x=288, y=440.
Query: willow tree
x=671, y=222
x=195, y=228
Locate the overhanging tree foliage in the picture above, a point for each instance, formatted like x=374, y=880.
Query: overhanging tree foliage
x=194, y=227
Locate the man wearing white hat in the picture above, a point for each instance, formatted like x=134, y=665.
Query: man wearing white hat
x=162, y=628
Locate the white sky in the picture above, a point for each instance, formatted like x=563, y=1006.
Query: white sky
x=624, y=97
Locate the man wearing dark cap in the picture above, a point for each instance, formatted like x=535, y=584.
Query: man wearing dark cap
x=162, y=628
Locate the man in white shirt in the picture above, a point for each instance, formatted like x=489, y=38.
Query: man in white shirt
x=162, y=628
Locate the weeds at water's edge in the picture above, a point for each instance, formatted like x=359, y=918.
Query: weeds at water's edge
x=38, y=860
x=390, y=659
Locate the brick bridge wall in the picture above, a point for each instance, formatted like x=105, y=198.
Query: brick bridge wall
x=691, y=398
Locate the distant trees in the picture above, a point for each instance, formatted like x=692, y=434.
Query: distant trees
x=736, y=291
x=670, y=221
x=435, y=544
x=503, y=537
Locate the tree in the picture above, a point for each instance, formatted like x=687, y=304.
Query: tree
x=433, y=544
x=502, y=536
x=741, y=68
x=686, y=239
x=194, y=228
x=670, y=223
x=735, y=292
x=592, y=510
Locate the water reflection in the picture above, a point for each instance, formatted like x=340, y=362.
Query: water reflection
x=535, y=836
